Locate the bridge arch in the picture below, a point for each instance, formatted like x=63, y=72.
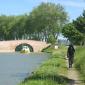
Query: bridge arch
x=19, y=47
x=12, y=45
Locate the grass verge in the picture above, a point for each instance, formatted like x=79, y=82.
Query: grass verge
x=52, y=71
x=80, y=62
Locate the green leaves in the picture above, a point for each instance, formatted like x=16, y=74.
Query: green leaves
x=48, y=18
x=44, y=20
x=75, y=31
x=51, y=39
x=80, y=24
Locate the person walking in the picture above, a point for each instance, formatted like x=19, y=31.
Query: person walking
x=70, y=55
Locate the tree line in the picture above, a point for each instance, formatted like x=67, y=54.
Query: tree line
x=44, y=22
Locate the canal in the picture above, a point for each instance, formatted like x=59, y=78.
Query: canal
x=14, y=67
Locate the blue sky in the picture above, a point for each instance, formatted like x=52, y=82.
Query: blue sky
x=19, y=7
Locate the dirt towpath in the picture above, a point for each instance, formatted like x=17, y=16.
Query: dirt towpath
x=73, y=76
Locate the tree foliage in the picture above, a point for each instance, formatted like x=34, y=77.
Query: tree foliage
x=75, y=31
x=51, y=39
x=44, y=20
x=48, y=19
x=73, y=35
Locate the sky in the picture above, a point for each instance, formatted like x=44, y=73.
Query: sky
x=74, y=8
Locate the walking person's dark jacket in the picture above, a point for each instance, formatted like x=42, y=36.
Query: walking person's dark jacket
x=71, y=51
x=70, y=55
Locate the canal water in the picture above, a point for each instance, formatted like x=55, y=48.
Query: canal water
x=14, y=67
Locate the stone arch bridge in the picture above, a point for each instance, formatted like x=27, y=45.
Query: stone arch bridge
x=10, y=46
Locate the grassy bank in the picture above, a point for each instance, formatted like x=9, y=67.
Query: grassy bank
x=51, y=72
x=80, y=61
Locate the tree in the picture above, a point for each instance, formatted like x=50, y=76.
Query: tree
x=79, y=24
x=18, y=28
x=47, y=19
x=51, y=39
x=75, y=31
x=73, y=35
x=5, y=22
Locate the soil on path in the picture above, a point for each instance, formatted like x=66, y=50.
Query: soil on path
x=73, y=76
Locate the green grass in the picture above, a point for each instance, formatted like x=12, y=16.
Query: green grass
x=80, y=61
x=51, y=72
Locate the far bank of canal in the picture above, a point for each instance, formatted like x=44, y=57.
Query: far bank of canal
x=14, y=67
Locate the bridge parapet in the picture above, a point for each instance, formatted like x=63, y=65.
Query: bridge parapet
x=9, y=46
